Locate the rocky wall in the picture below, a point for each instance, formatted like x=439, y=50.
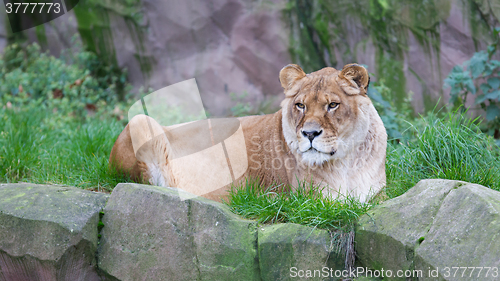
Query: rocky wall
x=149, y=233
x=142, y=232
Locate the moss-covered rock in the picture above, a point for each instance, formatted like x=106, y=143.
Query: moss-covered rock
x=386, y=236
x=48, y=232
x=51, y=233
x=149, y=232
x=226, y=245
x=437, y=224
x=291, y=251
x=465, y=233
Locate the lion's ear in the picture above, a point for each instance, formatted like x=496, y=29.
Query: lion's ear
x=289, y=74
x=354, y=79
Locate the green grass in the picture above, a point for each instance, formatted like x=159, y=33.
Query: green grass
x=39, y=146
x=302, y=205
x=451, y=147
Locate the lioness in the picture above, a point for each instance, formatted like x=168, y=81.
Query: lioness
x=327, y=131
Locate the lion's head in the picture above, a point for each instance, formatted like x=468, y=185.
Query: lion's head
x=326, y=114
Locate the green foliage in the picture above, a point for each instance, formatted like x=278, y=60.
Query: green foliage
x=479, y=76
x=395, y=121
x=303, y=205
x=27, y=75
x=59, y=117
x=95, y=29
x=19, y=143
x=452, y=147
x=244, y=108
x=241, y=108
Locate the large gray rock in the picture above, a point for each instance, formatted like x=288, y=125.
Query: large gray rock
x=437, y=224
x=225, y=244
x=149, y=232
x=48, y=232
x=291, y=251
x=390, y=231
x=465, y=233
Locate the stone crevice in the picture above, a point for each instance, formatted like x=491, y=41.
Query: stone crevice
x=193, y=244
x=255, y=231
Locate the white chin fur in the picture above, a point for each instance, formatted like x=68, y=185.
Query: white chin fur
x=314, y=158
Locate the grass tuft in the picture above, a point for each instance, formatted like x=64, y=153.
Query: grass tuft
x=302, y=205
x=452, y=148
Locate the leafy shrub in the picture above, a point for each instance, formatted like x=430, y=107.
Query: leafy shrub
x=27, y=74
x=479, y=76
x=449, y=148
x=383, y=99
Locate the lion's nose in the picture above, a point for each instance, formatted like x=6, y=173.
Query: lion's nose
x=311, y=134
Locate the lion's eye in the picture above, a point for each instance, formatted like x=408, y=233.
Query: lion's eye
x=300, y=105
x=333, y=105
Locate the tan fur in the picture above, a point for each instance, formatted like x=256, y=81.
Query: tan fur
x=347, y=155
